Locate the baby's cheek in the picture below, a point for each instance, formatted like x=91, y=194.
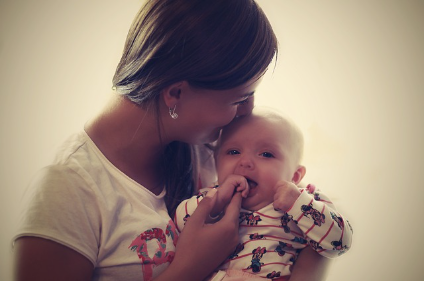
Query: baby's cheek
x=224, y=168
x=268, y=195
x=220, y=172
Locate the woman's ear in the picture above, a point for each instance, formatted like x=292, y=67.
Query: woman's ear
x=298, y=174
x=172, y=93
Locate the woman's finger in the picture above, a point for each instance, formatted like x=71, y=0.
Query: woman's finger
x=203, y=210
x=232, y=211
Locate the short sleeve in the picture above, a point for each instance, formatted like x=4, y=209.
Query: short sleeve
x=62, y=207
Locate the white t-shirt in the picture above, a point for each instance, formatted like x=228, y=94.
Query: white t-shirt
x=85, y=203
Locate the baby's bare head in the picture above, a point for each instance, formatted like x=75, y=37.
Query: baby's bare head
x=278, y=122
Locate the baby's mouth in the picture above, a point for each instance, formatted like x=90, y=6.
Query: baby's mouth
x=252, y=184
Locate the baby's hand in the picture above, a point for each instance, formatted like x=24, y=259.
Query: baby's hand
x=225, y=192
x=233, y=183
x=285, y=195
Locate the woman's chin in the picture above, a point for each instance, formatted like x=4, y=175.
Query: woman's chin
x=214, y=136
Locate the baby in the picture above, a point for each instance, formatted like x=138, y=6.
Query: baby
x=259, y=155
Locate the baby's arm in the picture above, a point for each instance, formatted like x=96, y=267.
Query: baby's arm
x=326, y=231
x=232, y=184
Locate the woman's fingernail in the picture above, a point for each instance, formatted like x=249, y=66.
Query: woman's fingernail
x=211, y=193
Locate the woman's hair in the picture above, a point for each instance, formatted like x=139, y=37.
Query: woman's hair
x=211, y=44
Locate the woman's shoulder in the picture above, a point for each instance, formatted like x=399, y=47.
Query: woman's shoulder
x=78, y=155
x=80, y=167
x=77, y=146
x=74, y=165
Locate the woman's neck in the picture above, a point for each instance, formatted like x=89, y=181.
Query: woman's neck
x=128, y=136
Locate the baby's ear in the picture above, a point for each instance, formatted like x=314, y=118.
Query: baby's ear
x=298, y=174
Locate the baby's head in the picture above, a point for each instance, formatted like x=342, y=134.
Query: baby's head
x=264, y=147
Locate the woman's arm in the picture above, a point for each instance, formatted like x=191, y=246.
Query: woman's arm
x=39, y=259
x=310, y=266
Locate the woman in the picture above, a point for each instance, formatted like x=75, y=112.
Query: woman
x=102, y=210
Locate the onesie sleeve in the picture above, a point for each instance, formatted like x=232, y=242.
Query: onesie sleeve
x=326, y=230
x=186, y=208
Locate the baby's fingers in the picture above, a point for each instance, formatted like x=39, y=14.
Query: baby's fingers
x=244, y=192
x=243, y=187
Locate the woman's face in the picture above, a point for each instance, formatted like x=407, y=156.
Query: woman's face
x=202, y=113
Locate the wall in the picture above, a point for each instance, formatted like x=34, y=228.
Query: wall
x=350, y=73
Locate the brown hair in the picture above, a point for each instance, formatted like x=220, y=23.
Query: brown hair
x=211, y=44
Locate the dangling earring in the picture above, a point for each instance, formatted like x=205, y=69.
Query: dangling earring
x=172, y=112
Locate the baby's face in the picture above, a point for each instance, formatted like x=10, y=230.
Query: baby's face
x=260, y=150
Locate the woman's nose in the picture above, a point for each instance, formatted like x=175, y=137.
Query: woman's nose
x=246, y=108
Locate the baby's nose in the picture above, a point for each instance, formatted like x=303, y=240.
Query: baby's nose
x=246, y=162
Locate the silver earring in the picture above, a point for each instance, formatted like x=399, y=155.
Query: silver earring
x=172, y=112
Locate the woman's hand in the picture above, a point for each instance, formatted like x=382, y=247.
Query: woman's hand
x=202, y=247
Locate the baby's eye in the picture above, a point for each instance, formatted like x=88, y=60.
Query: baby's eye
x=267, y=155
x=233, y=152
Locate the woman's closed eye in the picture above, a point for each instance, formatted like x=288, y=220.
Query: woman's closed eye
x=242, y=102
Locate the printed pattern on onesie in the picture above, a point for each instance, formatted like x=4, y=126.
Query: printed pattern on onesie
x=270, y=240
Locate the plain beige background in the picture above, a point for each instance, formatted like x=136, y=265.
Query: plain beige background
x=350, y=73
